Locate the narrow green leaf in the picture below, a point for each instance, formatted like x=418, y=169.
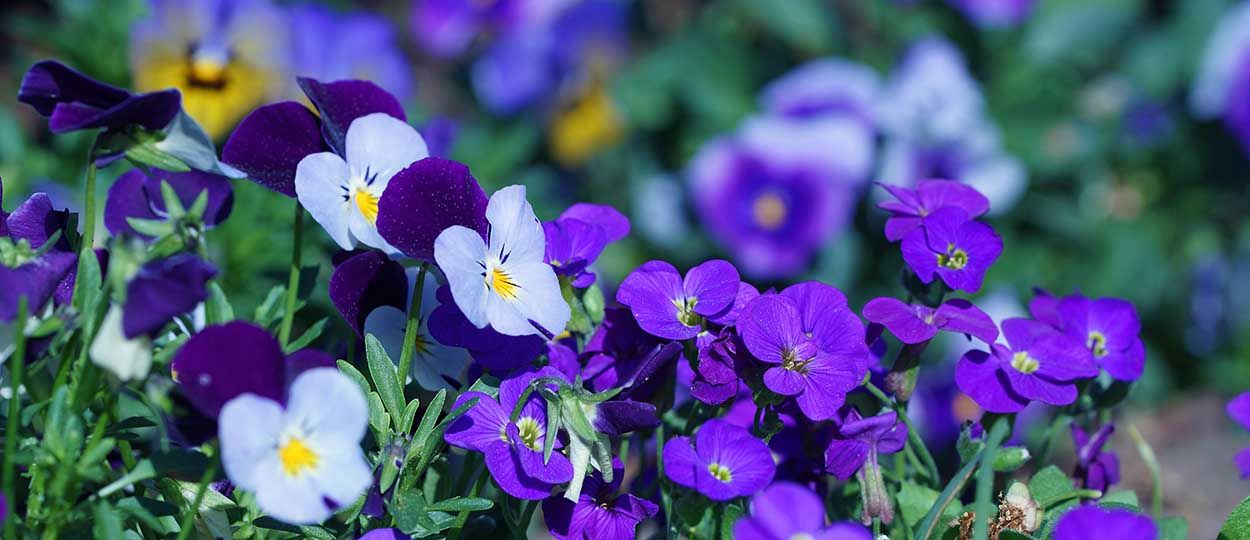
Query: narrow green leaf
x=410, y=415
x=458, y=504
x=198, y=206
x=384, y=379
x=106, y=523
x=309, y=335
x=143, y=471
x=173, y=204
x=1237, y=526
x=378, y=419
x=155, y=228
x=428, y=420
x=355, y=375
x=217, y=309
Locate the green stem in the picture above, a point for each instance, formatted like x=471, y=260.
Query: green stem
x=666, y=499
x=985, y=478
x=948, y=495
x=188, y=516
x=88, y=209
x=414, y=324
x=913, y=437
x=17, y=364
x=292, y=284
x=463, y=516
x=1152, y=464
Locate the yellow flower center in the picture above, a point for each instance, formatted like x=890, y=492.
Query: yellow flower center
x=216, y=94
x=367, y=203
x=954, y=258
x=588, y=125
x=527, y=428
x=207, y=73
x=685, y=311
x=1097, y=343
x=1024, y=363
x=501, y=282
x=296, y=457
x=769, y=211
x=720, y=472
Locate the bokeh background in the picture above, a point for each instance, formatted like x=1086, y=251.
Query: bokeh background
x=1106, y=133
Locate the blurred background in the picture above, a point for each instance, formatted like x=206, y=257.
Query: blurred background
x=1111, y=136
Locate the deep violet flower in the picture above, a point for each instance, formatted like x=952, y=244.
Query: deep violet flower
x=953, y=247
x=669, y=306
x=786, y=511
x=716, y=377
x=1239, y=410
x=617, y=349
x=222, y=362
x=1088, y=522
x=364, y=282
x=499, y=353
x=577, y=238
x=163, y=289
x=29, y=266
x=1109, y=327
x=722, y=462
x=600, y=511
x=434, y=365
x=911, y=206
x=1038, y=363
x=446, y=28
x=917, y=323
x=73, y=101
x=424, y=200
x=1095, y=468
x=514, y=450
x=856, y=444
x=136, y=195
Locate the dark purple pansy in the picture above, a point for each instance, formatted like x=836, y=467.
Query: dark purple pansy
x=911, y=206
x=1095, y=468
x=138, y=195
x=163, y=289
x=425, y=199
x=786, y=511
x=224, y=361
x=1239, y=410
x=36, y=280
x=494, y=351
x=600, y=512
x=514, y=450
x=49, y=276
x=668, y=306
x=616, y=350
x=365, y=281
x=952, y=246
x=722, y=462
x=1109, y=327
x=917, y=323
x=1038, y=363
x=74, y=101
x=577, y=238
x=1088, y=522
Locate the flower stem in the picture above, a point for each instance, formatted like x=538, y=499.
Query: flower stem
x=665, y=498
x=913, y=437
x=292, y=284
x=948, y=495
x=985, y=477
x=17, y=364
x=188, y=515
x=1152, y=463
x=88, y=209
x=414, y=324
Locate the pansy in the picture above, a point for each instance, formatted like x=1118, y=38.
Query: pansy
x=577, y=238
x=917, y=323
x=826, y=86
x=911, y=206
x=1095, y=468
x=30, y=266
x=74, y=101
x=787, y=511
x=1239, y=410
x=1088, y=522
x=513, y=448
x=856, y=445
x=1223, y=76
x=222, y=362
x=669, y=306
x=601, y=511
x=1109, y=327
x=503, y=281
x=434, y=365
x=500, y=354
x=953, y=247
x=1038, y=363
x=303, y=460
x=365, y=46
x=137, y=195
x=225, y=56
x=364, y=282
x=994, y=13
x=163, y=289
x=722, y=462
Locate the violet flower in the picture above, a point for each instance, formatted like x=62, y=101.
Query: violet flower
x=672, y=307
x=856, y=444
x=953, y=247
x=499, y=353
x=225, y=361
x=716, y=377
x=786, y=511
x=917, y=323
x=600, y=511
x=722, y=462
x=617, y=349
x=446, y=28
x=994, y=13
x=364, y=282
x=136, y=195
x=1038, y=363
x=31, y=267
x=1095, y=468
x=73, y=101
x=1109, y=327
x=365, y=46
x=513, y=449
x=1088, y=522
x=577, y=238
x=911, y=206
x=1239, y=410
x=163, y=289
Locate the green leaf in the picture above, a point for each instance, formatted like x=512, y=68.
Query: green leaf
x=459, y=504
x=147, y=155
x=410, y=415
x=384, y=378
x=1174, y=528
x=355, y=375
x=217, y=309
x=378, y=419
x=1123, y=496
x=143, y=471
x=415, y=517
x=270, y=309
x=156, y=228
x=805, y=24
x=428, y=420
x=308, y=336
x=173, y=205
x=592, y=300
x=63, y=438
x=1237, y=526
x=730, y=515
x=309, y=531
x=691, y=508
x=105, y=523
x=198, y=206
x=1050, y=486
x=87, y=284
x=1010, y=458
x=914, y=501
x=1013, y=535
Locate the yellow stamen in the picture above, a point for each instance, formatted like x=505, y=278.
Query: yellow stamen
x=216, y=95
x=1024, y=363
x=367, y=203
x=296, y=457
x=720, y=472
x=769, y=211
x=501, y=282
x=954, y=258
x=1097, y=342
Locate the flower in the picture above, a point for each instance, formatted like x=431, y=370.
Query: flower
x=823, y=86
x=1089, y=522
x=618, y=349
x=994, y=13
x=954, y=247
x=503, y=282
x=1223, y=75
x=600, y=512
x=853, y=451
x=785, y=511
x=723, y=462
x=1239, y=410
x=499, y=353
x=365, y=282
x=513, y=449
x=126, y=357
x=136, y=195
x=302, y=461
x=1095, y=468
x=578, y=236
x=163, y=289
x=225, y=56
x=668, y=306
x=434, y=365
x=364, y=47
x=799, y=364
x=917, y=323
x=73, y=101
x=716, y=378
x=30, y=266
x=385, y=534
x=1109, y=327
x=445, y=28
x=222, y=362
x=911, y=206
x=1038, y=364
x=424, y=200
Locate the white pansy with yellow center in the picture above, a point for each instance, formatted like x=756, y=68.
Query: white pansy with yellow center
x=342, y=195
x=303, y=461
x=503, y=281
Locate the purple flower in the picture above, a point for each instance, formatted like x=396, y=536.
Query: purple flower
x=164, y=289
x=785, y=511
x=826, y=86
x=1038, y=364
x=1239, y=410
x=499, y=353
x=364, y=282
x=618, y=349
x=578, y=236
x=137, y=195
x=74, y=101
x=446, y=27
x=425, y=199
x=1223, y=76
x=385, y=534
x=716, y=378
x=1109, y=327
x=994, y=13
x=952, y=246
x=917, y=323
x=668, y=306
x=28, y=266
x=1096, y=523
x=1095, y=468
x=911, y=206
x=225, y=361
x=514, y=450
x=364, y=47
x=856, y=444
x=723, y=462
x=600, y=512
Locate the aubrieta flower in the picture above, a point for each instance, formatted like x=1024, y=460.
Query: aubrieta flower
x=577, y=238
x=1223, y=77
x=1109, y=327
x=503, y=281
x=787, y=511
x=137, y=195
x=1239, y=410
x=953, y=247
x=672, y=307
x=513, y=449
x=385, y=534
x=722, y=462
x=365, y=47
x=1038, y=363
x=1095, y=468
x=600, y=511
x=994, y=13
x=911, y=206
x=303, y=460
x=31, y=266
x=1089, y=522
x=853, y=451
x=434, y=365
x=917, y=323
x=73, y=101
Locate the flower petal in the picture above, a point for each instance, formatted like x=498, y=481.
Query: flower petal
x=321, y=186
x=222, y=362
x=342, y=102
x=249, y=427
x=383, y=145
x=270, y=142
x=423, y=200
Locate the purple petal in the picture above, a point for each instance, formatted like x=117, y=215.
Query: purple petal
x=680, y=461
x=74, y=101
x=505, y=468
x=619, y=417
x=385, y=534
x=1239, y=409
x=941, y=228
x=479, y=427
x=1089, y=522
x=1020, y=333
x=825, y=389
x=977, y=374
x=364, y=282
x=769, y=326
x=1242, y=459
x=900, y=319
x=1063, y=359
x=494, y=351
x=36, y=221
x=937, y=194
x=270, y=142
x=615, y=225
x=962, y=316
x=714, y=283
x=783, y=381
x=425, y=199
x=556, y=471
x=342, y=102
x=1126, y=365
x=918, y=256
x=786, y=509
x=305, y=359
x=844, y=457
x=729, y=316
x=137, y=195
x=1045, y=308
x=1040, y=389
x=164, y=289
x=36, y=280
x=222, y=362
x=650, y=292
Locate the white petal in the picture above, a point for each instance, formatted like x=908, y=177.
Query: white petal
x=290, y=499
x=128, y=359
x=458, y=252
x=320, y=180
x=328, y=407
x=388, y=323
x=506, y=318
x=367, y=233
x=514, y=229
x=540, y=300
x=439, y=361
x=1224, y=49
x=249, y=427
x=384, y=145
x=342, y=474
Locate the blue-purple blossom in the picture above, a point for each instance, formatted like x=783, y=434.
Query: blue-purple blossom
x=911, y=206
x=137, y=195
x=1088, y=522
x=953, y=247
x=1239, y=410
x=29, y=266
x=601, y=511
x=672, y=307
x=994, y=13
x=163, y=289
x=1222, y=80
x=1109, y=327
x=787, y=511
x=857, y=443
x=1095, y=468
x=1038, y=363
x=723, y=461
x=577, y=238
x=917, y=323
x=364, y=46
x=73, y=101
